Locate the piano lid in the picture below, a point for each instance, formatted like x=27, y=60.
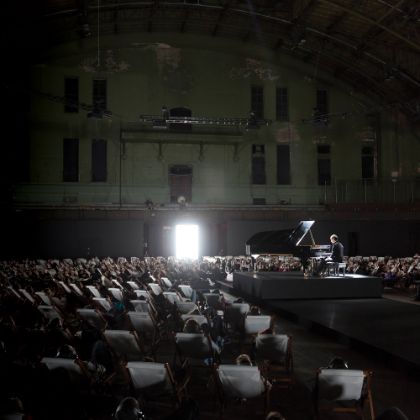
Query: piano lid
x=283, y=241
x=299, y=233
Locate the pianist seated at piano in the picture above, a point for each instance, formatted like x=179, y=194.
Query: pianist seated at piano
x=335, y=257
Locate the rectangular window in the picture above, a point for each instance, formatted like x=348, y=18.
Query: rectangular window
x=70, y=160
x=282, y=104
x=322, y=102
x=71, y=94
x=324, y=164
x=99, y=99
x=258, y=164
x=257, y=101
x=368, y=162
x=99, y=160
x=283, y=164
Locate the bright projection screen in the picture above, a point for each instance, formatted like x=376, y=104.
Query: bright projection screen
x=186, y=241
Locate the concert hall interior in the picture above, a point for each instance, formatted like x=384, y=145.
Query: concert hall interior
x=225, y=171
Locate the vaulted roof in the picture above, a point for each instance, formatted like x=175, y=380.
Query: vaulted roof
x=372, y=45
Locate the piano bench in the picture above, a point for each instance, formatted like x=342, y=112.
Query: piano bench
x=335, y=268
x=341, y=268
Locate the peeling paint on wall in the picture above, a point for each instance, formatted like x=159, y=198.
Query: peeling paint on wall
x=107, y=63
x=287, y=134
x=254, y=68
x=174, y=75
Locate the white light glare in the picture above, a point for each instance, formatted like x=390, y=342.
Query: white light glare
x=186, y=241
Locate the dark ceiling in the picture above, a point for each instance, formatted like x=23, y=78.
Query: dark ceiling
x=372, y=45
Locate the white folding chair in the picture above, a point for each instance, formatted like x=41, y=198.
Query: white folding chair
x=343, y=391
x=75, y=368
x=102, y=303
x=240, y=382
x=186, y=290
x=171, y=297
x=166, y=282
x=44, y=298
x=76, y=289
x=274, y=354
x=49, y=312
x=186, y=307
x=200, y=319
x=140, y=305
x=64, y=286
x=144, y=293
x=256, y=323
x=155, y=288
x=133, y=285
x=92, y=317
x=194, y=347
x=154, y=380
x=234, y=315
x=27, y=296
x=124, y=344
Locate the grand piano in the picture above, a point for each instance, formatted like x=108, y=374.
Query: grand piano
x=287, y=242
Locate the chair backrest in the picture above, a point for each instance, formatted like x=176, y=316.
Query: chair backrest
x=139, y=293
x=102, y=303
x=133, y=285
x=94, y=291
x=257, y=323
x=49, y=312
x=241, y=381
x=340, y=384
x=200, y=319
x=141, y=322
x=116, y=293
x=155, y=288
x=71, y=366
x=172, y=297
x=235, y=314
x=64, y=286
x=44, y=298
x=166, y=282
x=76, y=289
x=147, y=375
x=92, y=317
x=186, y=307
x=272, y=347
x=124, y=344
x=117, y=283
x=27, y=295
x=194, y=346
x=186, y=290
x=212, y=300
x=140, y=305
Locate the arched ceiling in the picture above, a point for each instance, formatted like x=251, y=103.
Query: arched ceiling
x=372, y=45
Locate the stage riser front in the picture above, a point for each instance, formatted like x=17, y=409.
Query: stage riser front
x=274, y=285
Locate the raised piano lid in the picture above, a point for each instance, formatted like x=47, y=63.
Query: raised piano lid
x=299, y=233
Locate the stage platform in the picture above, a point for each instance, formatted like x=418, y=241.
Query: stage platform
x=382, y=325
x=293, y=285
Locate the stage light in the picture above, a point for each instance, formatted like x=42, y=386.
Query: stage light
x=186, y=241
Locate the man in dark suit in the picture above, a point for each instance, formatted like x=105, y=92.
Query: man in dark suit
x=336, y=256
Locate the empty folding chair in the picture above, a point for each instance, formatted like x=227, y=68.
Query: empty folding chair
x=93, y=317
x=124, y=344
x=241, y=382
x=343, y=391
x=186, y=307
x=256, y=323
x=274, y=353
x=155, y=380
